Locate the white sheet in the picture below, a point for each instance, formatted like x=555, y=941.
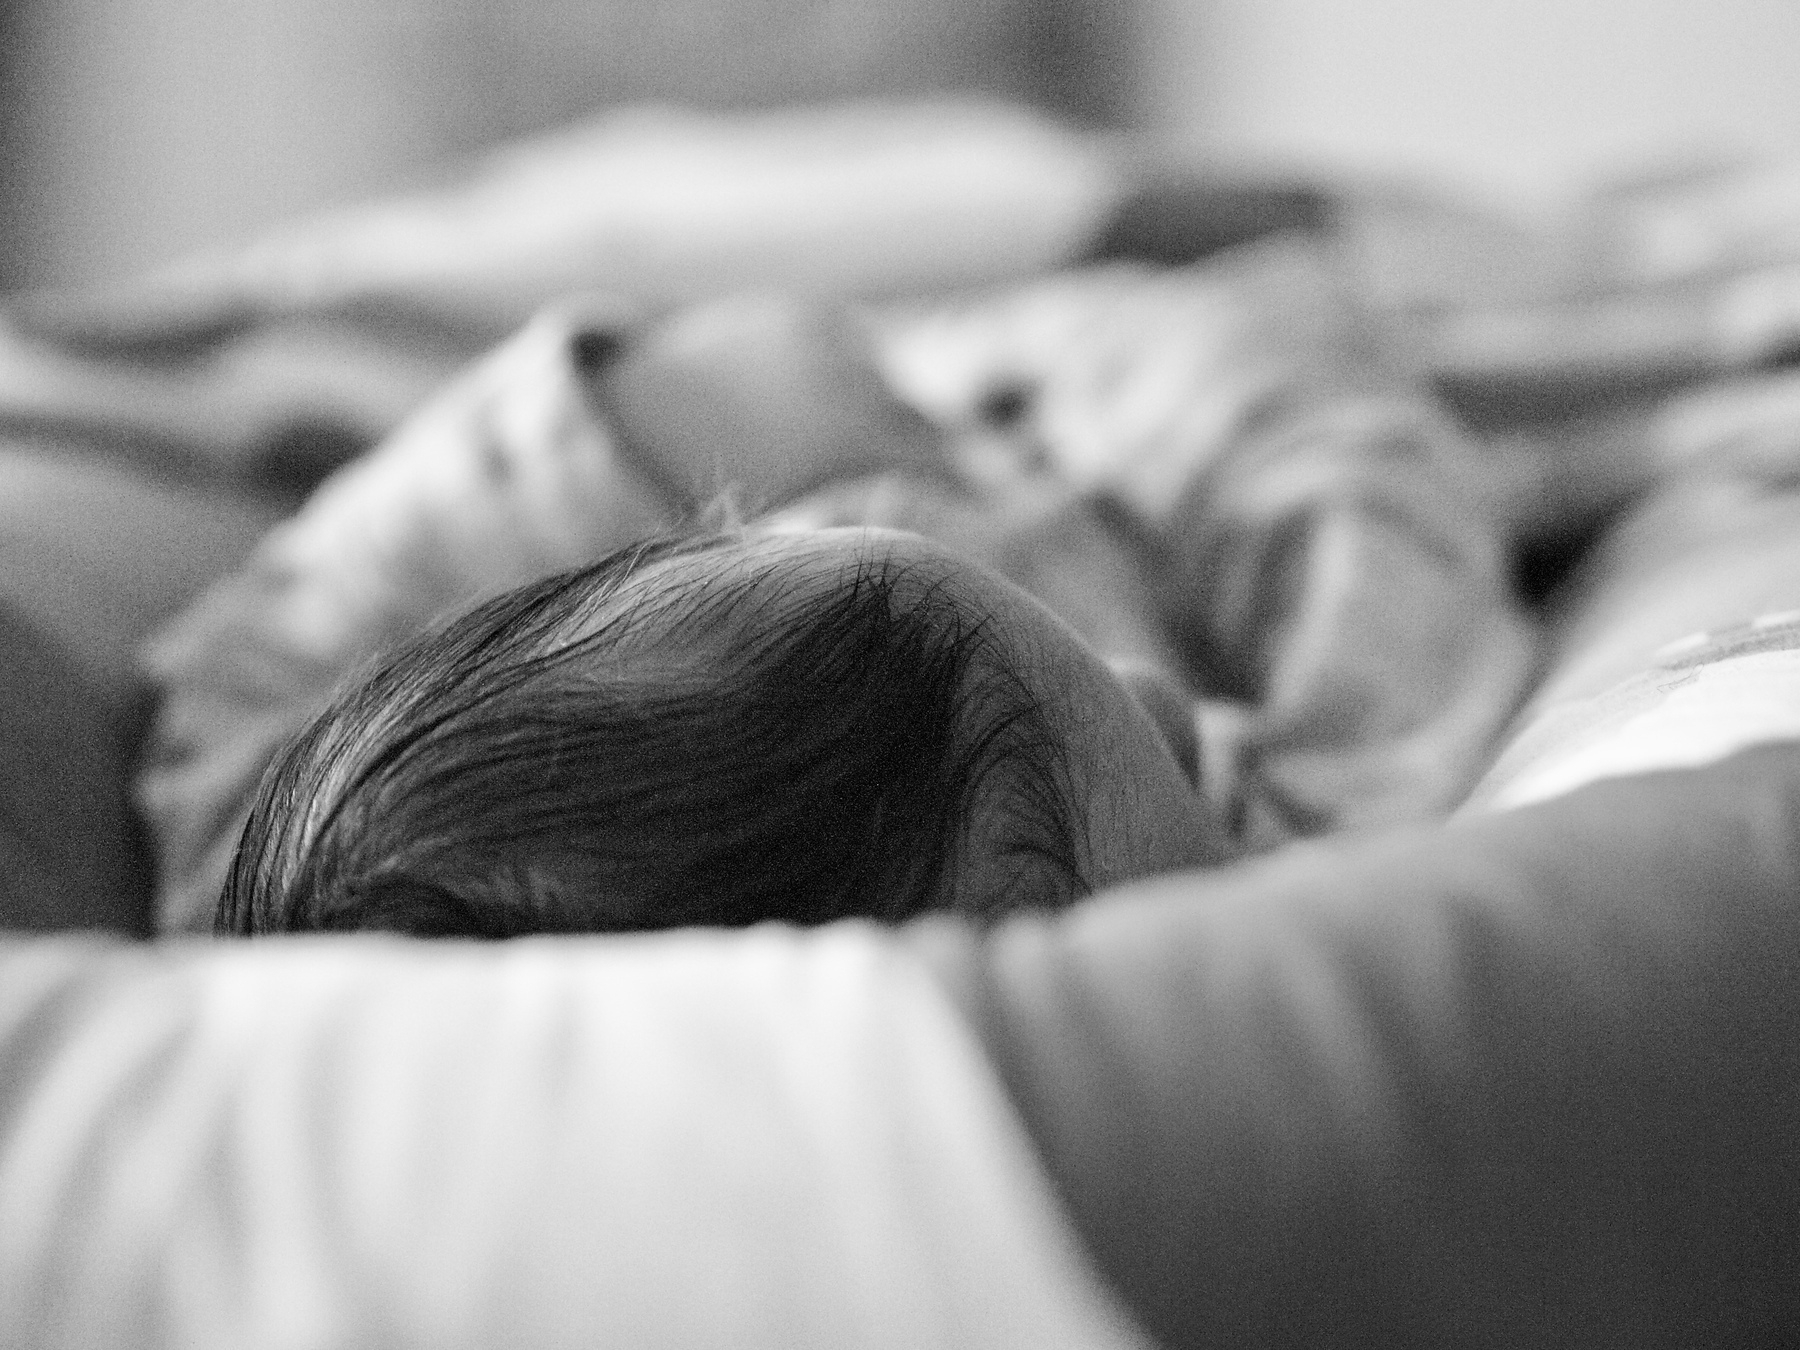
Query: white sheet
x=770, y=1139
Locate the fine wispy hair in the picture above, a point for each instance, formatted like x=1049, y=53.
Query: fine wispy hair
x=595, y=753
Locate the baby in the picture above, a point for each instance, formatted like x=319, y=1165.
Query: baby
x=722, y=730
x=930, y=679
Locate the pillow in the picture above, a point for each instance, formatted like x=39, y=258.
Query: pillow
x=666, y=206
x=71, y=855
x=92, y=555
x=99, y=553
x=1526, y=1079
x=1677, y=643
x=766, y=1139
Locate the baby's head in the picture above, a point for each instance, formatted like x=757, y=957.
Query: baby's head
x=722, y=730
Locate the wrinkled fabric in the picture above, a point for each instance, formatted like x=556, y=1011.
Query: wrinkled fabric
x=737, y=1141
x=1527, y=1079
x=1323, y=543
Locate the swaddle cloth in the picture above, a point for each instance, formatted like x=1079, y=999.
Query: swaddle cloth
x=764, y=1139
x=1328, y=546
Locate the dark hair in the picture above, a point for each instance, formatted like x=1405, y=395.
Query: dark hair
x=584, y=755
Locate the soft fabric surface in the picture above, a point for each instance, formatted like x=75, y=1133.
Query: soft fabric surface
x=1708, y=552
x=1675, y=642
x=1527, y=1080
x=663, y=205
x=736, y=1141
x=1328, y=545
x=100, y=554
x=93, y=556
x=71, y=852
x=1704, y=698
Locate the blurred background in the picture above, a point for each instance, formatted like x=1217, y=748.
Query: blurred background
x=136, y=130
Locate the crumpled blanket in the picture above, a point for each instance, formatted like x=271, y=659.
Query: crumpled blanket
x=770, y=1139
x=1308, y=468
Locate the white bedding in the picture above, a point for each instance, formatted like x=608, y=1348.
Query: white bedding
x=736, y=1141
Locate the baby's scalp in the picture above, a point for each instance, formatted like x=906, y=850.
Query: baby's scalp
x=714, y=730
